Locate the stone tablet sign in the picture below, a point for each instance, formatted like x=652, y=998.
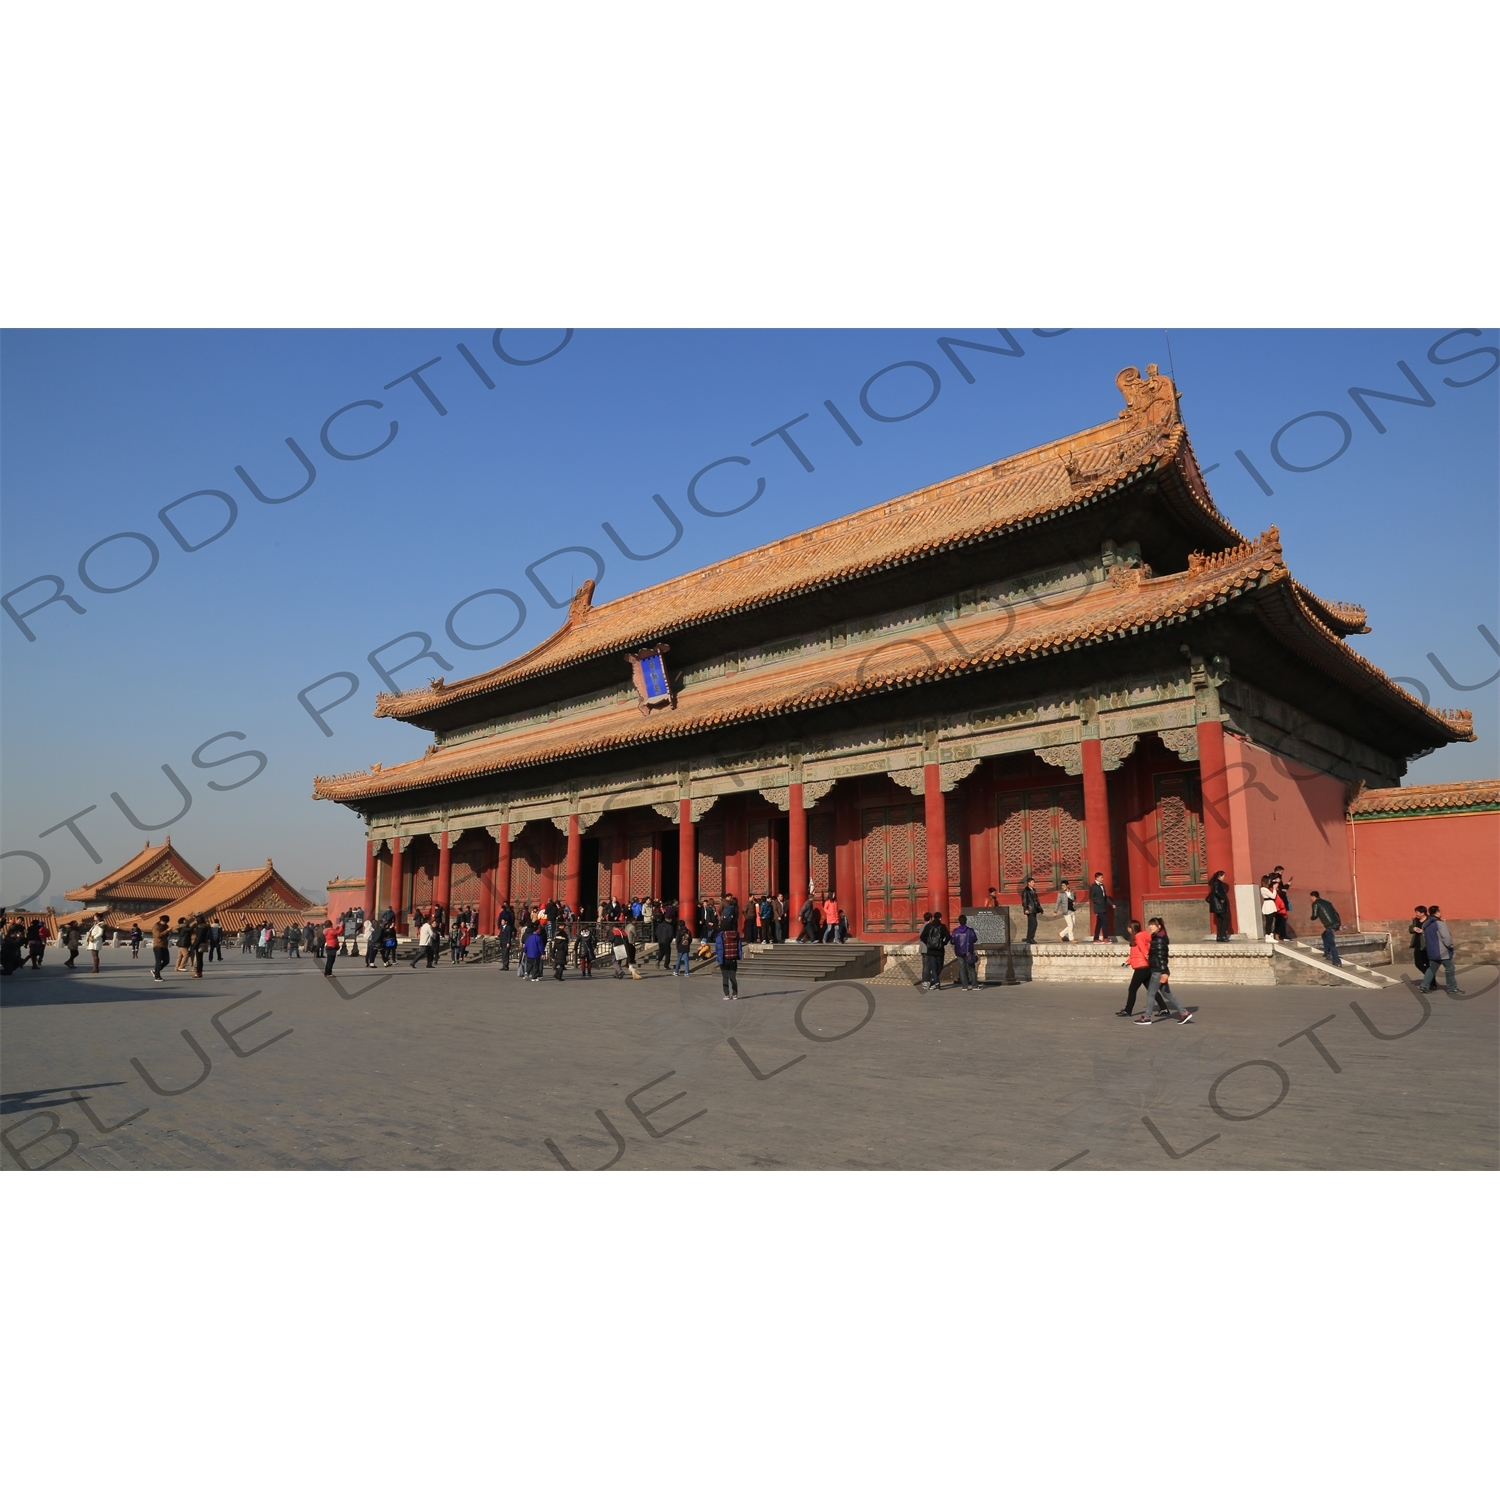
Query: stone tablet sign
x=990, y=926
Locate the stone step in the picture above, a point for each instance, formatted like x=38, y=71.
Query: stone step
x=1349, y=973
x=1315, y=955
x=813, y=962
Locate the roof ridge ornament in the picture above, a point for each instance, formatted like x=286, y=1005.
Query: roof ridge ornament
x=582, y=601
x=1150, y=401
x=1267, y=544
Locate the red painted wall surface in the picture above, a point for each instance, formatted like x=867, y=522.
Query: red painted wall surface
x=1292, y=816
x=1453, y=861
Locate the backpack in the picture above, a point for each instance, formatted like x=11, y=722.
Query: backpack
x=731, y=941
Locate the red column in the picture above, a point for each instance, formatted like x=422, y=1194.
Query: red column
x=796, y=855
x=575, y=864
x=1096, y=814
x=502, y=868
x=445, y=874
x=396, y=873
x=1214, y=779
x=369, y=902
x=687, y=859
x=936, y=818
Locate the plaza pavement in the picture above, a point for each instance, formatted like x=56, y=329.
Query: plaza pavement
x=472, y=1068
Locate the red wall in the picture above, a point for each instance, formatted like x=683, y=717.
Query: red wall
x=1451, y=860
x=1286, y=813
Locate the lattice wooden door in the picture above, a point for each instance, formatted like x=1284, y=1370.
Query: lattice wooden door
x=1042, y=834
x=473, y=851
x=820, y=861
x=525, y=873
x=762, y=857
x=638, y=868
x=1181, y=846
x=711, y=860
x=894, y=862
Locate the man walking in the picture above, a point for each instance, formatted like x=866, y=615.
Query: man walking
x=426, y=945
x=1065, y=907
x=934, y=938
x=1323, y=911
x=161, y=951
x=1439, y=951
x=1031, y=908
x=1100, y=904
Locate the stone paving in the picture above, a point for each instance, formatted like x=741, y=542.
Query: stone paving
x=264, y=1064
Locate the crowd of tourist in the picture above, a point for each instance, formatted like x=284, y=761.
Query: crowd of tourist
x=553, y=936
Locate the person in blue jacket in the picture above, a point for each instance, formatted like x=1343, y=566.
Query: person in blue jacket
x=534, y=947
x=964, y=944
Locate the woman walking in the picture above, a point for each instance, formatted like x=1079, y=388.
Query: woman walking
x=1157, y=958
x=1138, y=962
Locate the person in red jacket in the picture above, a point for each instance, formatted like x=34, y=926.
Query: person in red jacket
x=1139, y=963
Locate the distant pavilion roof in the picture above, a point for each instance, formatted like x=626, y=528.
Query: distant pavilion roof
x=237, y=896
x=158, y=873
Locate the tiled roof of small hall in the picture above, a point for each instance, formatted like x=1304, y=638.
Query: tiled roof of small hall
x=224, y=889
x=1445, y=796
x=148, y=857
x=1133, y=603
x=1015, y=492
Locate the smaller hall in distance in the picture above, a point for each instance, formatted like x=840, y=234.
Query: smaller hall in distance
x=1064, y=662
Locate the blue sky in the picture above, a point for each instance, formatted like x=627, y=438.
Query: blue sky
x=101, y=430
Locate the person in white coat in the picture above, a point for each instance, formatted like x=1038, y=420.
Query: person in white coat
x=95, y=942
x=426, y=944
x=1268, y=907
x=1065, y=907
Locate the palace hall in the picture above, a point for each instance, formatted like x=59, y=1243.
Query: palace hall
x=1065, y=662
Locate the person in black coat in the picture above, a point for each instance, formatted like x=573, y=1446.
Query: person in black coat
x=1100, y=904
x=1031, y=908
x=934, y=938
x=1218, y=905
x=1160, y=989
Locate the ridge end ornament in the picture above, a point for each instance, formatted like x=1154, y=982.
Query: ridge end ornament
x=648, y=671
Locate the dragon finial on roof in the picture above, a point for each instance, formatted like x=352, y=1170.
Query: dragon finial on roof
x=1150, y=401
x=582, y=601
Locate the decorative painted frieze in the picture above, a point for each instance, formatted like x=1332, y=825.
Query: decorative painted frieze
x=1115, y=752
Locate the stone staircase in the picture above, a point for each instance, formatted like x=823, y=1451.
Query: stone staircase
x=1310, y=955
x=811, y=963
